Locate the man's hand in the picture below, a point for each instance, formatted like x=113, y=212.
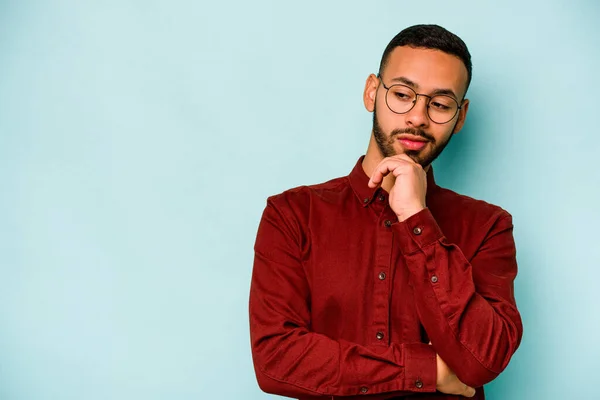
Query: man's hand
x=448, y=382
x=407, y=197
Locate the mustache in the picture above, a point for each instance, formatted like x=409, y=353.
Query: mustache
x=413, y=131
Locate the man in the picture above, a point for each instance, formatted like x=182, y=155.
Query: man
x=382, y=284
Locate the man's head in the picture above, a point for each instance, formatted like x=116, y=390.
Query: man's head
x=417, y=99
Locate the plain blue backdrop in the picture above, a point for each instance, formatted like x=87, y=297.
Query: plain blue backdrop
x=140, y=139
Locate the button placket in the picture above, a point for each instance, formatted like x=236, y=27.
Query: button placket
x=381, y=285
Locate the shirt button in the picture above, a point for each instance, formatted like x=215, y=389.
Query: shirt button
x=381, y=275
x=379, y=335
x=418, y=384
x=417, y=230
x=366, y=200
x=434, y=279
x=381, y=198
x=364, y=389
x=387, y=223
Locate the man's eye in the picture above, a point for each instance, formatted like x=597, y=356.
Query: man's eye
x=402, y=96
x=439, y=106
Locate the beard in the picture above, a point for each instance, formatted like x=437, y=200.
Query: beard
x=385, y=143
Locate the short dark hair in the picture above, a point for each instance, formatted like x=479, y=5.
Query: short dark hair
x=430, y=37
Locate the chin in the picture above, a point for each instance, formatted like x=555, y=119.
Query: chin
x=417, y=156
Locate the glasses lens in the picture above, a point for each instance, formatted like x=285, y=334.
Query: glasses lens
x=442, y=109
x=400, y=98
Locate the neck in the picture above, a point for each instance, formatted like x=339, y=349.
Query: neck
x=372, y=158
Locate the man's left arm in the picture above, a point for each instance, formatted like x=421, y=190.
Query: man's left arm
x=467, y=307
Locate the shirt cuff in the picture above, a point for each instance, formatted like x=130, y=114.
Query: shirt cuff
x=417, y=232
x=420, y=367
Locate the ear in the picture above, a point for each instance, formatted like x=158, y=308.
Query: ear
x=462, y=116
x=370, y=92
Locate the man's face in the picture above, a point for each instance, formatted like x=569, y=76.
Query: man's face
x=427, y=72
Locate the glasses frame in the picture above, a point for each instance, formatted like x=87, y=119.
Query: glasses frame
x=387, y=90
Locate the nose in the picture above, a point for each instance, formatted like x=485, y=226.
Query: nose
x=417, y=116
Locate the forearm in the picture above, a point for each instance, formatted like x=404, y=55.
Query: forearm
x=467, y=309
x=474, y=339
x=291, y=360
x=311, y=364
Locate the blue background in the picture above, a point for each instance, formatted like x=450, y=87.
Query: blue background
x=140, y=139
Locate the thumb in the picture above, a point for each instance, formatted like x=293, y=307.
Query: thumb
x=469, y=391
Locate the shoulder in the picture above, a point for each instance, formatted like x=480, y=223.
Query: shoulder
x=302, y=197
x=453, y=205
x=467, y=221
x=291, y=210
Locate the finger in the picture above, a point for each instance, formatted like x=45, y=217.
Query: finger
x=469, y=391
x=380, y=171
x=409, y=160
x=386, y=166
x=404, y=157
x=400, y=170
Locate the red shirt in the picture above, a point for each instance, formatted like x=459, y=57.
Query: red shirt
x=345, y=299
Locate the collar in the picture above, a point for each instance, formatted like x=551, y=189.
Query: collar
x=359, y=183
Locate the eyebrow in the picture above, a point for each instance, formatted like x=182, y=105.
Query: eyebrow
x=408, y=82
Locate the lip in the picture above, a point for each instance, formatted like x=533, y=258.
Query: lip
x=412, y=142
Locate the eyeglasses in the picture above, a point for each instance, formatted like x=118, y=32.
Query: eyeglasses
x=400, y=99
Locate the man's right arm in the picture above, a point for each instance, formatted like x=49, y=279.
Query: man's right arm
x=291, y=360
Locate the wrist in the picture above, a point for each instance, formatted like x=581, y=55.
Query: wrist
x=409, y=212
